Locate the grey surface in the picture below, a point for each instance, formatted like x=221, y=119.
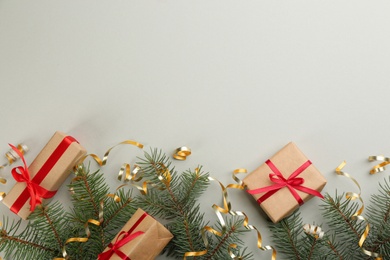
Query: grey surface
x=233, y=80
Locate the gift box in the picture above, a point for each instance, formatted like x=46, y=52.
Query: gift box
x=44, y=175
x=284, y=182
x=142, y=238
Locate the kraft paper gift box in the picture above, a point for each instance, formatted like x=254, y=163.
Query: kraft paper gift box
x=145, y=236
x=284, y=182
x=48, y=171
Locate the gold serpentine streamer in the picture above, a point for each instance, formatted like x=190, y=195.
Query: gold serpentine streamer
x=2, y=194
x=357, y=215
x=381, y=166
x=227, y=210
x=182, y=153
x=12, y=157
x=124, y=170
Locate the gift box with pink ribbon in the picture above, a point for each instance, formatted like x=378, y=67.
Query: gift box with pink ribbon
x=284, y=182
x=142, y=238
x=44, y=176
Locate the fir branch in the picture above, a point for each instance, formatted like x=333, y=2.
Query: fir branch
x=28, y=242
x=89, y=190
x=116, y=214
x=285, y=235
x=90, y=194
x=175, y=201
x=51, y=224
x=219, y=247
x=338, y=212
x=332, y=245
x=378, y=213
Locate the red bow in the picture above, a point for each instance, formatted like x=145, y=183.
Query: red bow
x=21, y=174
x=122, y=239
x=292, y=183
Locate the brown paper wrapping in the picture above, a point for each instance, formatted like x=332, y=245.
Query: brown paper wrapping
x=148, y=245
x=282, y=203
x=57, y=174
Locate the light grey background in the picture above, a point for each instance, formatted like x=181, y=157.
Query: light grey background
x=233, y=80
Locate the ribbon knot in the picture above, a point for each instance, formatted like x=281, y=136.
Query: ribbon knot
x=293, y=183
x=21, y=174
x=282, y=181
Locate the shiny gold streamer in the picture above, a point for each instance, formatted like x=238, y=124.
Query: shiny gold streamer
x=232, y=255
x=70, y=240
x=351, y=195
x=12, y=156
x=381, y=166
x=163, y=174
x=136, y=175
x=227, y=210
x=124, y=170
x=182, y=153
x=357, y=215
x=2, y=194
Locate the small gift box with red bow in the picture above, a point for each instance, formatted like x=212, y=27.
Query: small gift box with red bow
x=142, y=238
x=45, y=174
x=284, y=182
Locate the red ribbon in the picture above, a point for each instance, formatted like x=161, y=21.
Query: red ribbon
x=122, y=239
x=292, y=183
x=33, y=189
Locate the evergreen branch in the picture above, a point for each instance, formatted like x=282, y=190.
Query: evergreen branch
x=346, y=219
x=314, y=243
x=286, y=233
x=334, y=249
x=5, y=237
x=28, y=242
x=338, y=213
x=52, y=227
x=195, y=183
x=116, y=214
x=379, y=218
x=89, y=191
x=175, y=201
x=221, y=244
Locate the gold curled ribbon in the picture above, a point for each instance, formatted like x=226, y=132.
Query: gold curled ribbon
x=136, y=175
x=2, y=194
x=227, y=210
x=381, y=166
x=70, y=240
x=182, y=153
x=232, y=255
x=357, y=215
x=314, y=231
x=351, y=195
x=12, y=156
x=124, y=170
